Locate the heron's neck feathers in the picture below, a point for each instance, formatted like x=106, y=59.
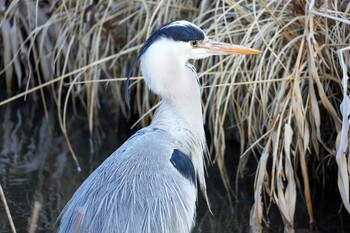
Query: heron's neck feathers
x=167, y=74
x=180, y=114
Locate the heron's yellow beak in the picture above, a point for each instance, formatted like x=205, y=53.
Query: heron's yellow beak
x=216, y=48
x=210, y=47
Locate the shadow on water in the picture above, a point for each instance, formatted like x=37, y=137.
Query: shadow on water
x=36, y=165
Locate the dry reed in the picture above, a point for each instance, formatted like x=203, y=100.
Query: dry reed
x=286, y=106
x=7, y=210
x=35, y=216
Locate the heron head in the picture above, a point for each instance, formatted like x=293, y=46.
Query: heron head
x=176, y=43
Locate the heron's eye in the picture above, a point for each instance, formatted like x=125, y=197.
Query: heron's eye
x=194, y=43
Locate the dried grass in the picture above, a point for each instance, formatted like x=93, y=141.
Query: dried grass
x=287, y=105
x=7, y=210
x=35, y=217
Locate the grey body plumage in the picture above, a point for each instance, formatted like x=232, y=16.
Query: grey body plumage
x=136, y=194
x=149, y=184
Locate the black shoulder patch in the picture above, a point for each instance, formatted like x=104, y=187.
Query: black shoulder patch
x=184, y=165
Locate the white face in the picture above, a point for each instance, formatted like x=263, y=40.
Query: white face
x=168, y=49
x=197, y=49
x=190, y=49
x=164, y=69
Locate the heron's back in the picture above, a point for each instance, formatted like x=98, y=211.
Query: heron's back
x=137, y=189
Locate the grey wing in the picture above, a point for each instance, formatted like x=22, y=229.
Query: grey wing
x=144, y=186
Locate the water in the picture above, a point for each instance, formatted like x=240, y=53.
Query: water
x=36, y=165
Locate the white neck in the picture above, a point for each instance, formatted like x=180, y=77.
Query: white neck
x=168, y=75
x=182, y=117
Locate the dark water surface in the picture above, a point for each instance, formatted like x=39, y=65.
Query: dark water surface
x=36, y=165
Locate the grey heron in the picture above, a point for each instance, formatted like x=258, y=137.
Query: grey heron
x=149, y=184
